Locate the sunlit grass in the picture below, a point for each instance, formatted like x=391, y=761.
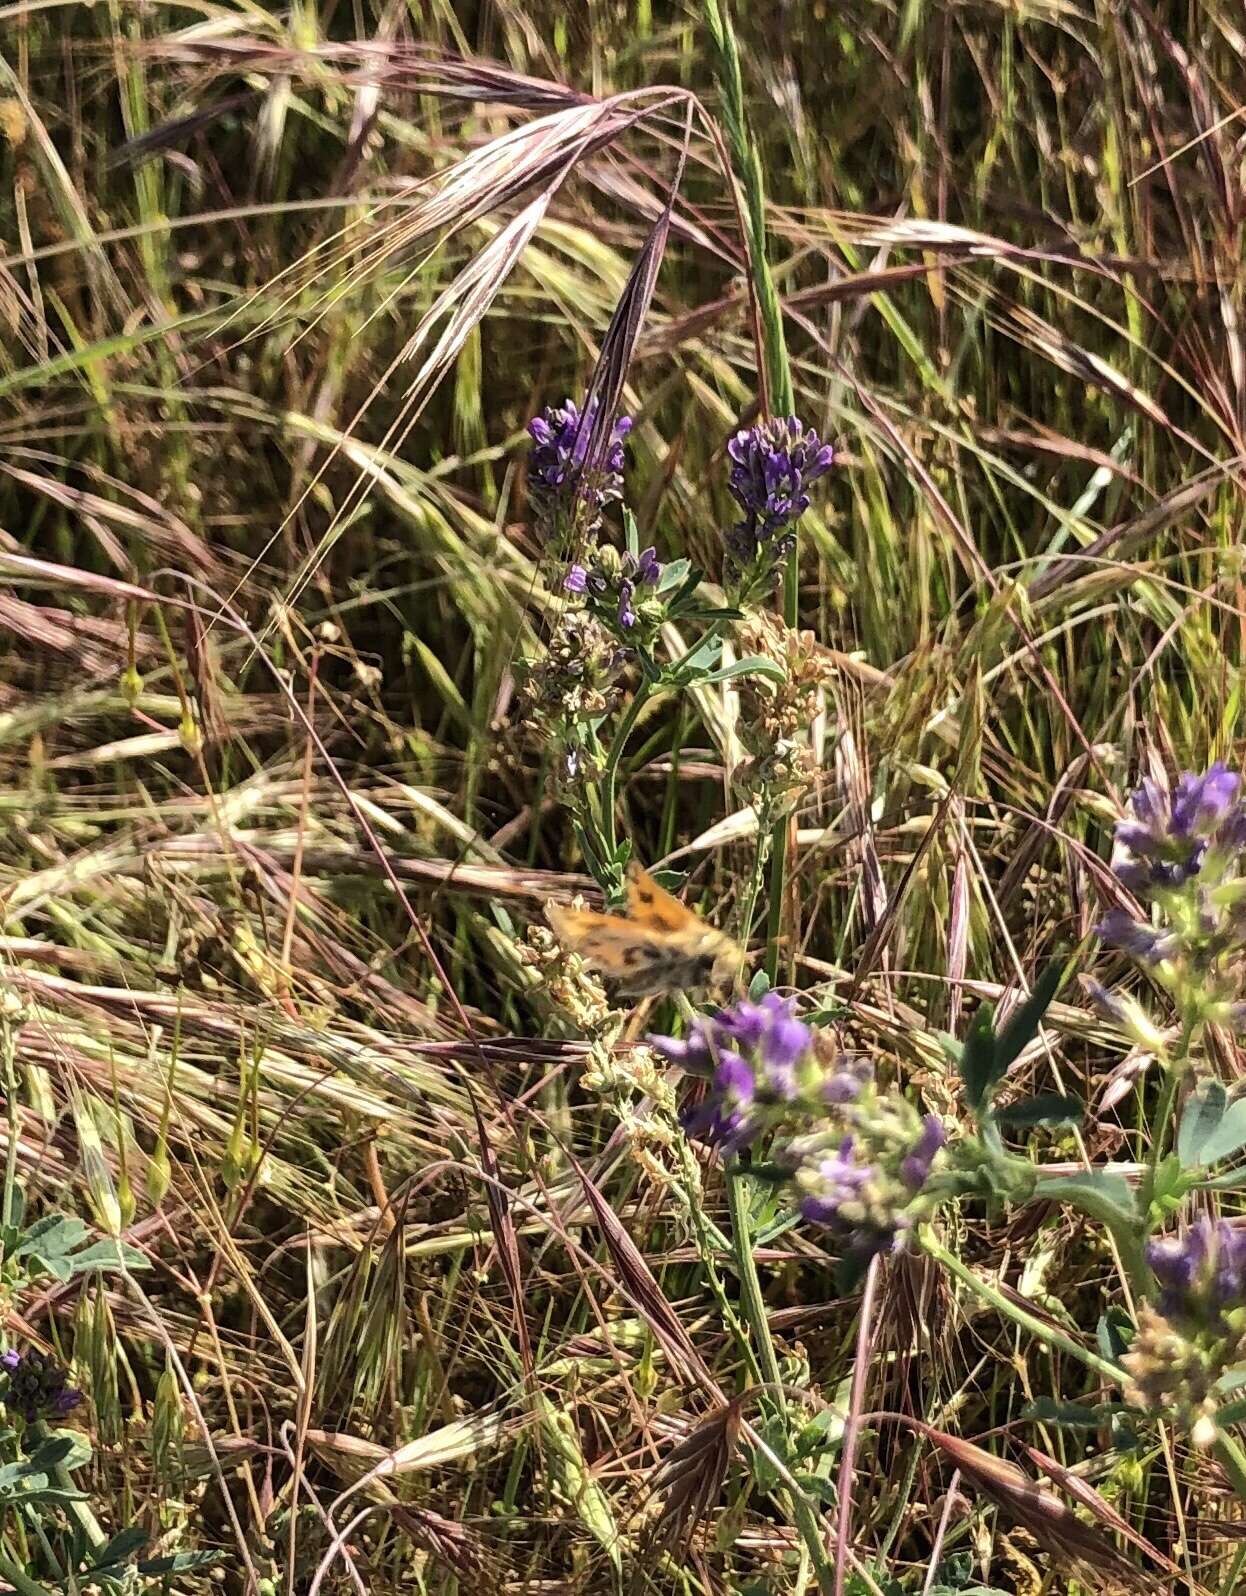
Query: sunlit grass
x=279, y=293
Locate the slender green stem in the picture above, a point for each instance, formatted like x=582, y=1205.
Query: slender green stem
x=753, y=1307
x=706, y=1237
x=21, y=1582
x=778, y=394
x=7, y=1050
x=1046, y=1333
x=609, y=775
x=87, y=1520
x=778, y=883
x=1167, y=1103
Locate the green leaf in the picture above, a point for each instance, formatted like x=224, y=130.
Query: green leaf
x=815, y=1437
x=758, y=986
x=14, y=1473
x=178, y=1563
x=1048, y=1108
x=1095, y=1192
x=1023, y=1027
x=51, y=1237
x=1235, y=1180
x=688, y=667
x=107, y=1255
x=1231, y=1413
x=696, y=613
x=121, y=1548
x=649, y=666
x=52, y=1449
x=750, y=665
x=1170, y=1185
x=674, y=573
x=952, y=1050
x=966, y=1590
x=1114, y=1335
x=1229, y=1135
x=46, y=1493
x=1073, y=1415
x=1202, y=1116
x=977, y=1059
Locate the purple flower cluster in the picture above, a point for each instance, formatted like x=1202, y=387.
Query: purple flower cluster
x=858, y=1161
x=834, y=1179
x=752, y=1054
x=612, y=581
x=1201, y=1273
x=1166, y=840
x=847, y=1185
x=560, y=475
x=38, y=1386
x=773, y=465
x=848, y=1079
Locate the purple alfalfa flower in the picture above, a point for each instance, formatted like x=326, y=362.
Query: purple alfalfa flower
x=724, y=1118
x=1164, y=842
x=1144, y=942
x=849, y=1078
x=627, y=608
x=37, y=1386
x=915, y=1168
x=648, y=568
x=770, y=1029
x=834, y=1179
x=559, y=471
x=1202, y=804
x=612, y=582
x=1228, y=1282
x=1202, y=1272
x=773, y=465
x=751, y=1052
x=1179, y=1264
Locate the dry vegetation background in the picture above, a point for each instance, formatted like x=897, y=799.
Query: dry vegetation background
x=280, y=289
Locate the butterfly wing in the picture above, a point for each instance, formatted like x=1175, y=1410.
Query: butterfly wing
x=658, y=946
x=653, y=906
x=639, y=960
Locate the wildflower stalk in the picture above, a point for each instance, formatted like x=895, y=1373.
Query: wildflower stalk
x=610, y=771
x=1046, y=1333
x=707, y=1237
x=779, y=394
x=627, y=725
x=758, y=1347
x=753, y=1307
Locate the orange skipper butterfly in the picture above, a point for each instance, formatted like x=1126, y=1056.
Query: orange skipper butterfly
x=658, y=946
